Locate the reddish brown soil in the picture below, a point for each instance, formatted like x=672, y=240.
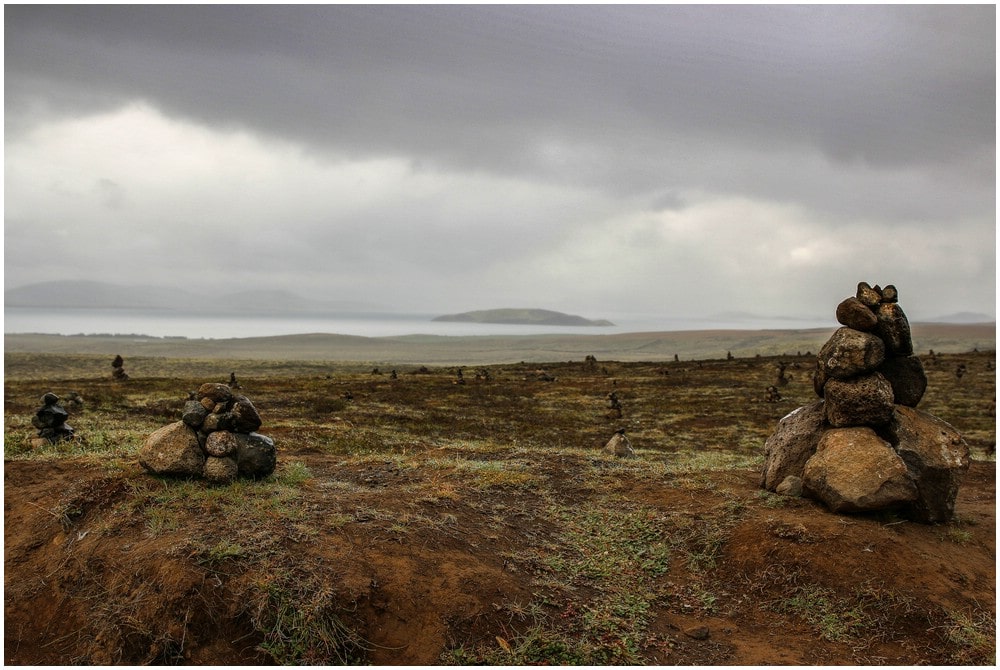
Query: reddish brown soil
x=396, y=533
x=413, y=594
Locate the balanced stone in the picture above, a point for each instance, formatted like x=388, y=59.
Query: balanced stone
x=862, y=401
x=244, y=415
x=194, y=414
x=50, y=420
x=894, y=329
x=846, y=354
x=907, y=378
x=215, y=392
x=221, y=443
x=855, y=314
x=868, y=296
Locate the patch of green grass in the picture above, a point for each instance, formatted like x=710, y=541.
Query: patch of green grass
x=224, y=549
x=958, y=535
x=832, y=618
x=292, y=474
x=973, y=638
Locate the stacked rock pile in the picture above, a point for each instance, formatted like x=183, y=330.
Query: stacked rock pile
x=864, y=446
x=118, y=367
x=216, y=439
x=50, y=420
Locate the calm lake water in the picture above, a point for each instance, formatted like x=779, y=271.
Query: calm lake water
x=174, y=324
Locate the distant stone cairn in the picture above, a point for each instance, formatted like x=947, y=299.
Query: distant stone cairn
x=864, y=446
x=50, y=420
x=118, y=369
x=216, y=439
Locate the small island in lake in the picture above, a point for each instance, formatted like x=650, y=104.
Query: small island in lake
x=531, y=317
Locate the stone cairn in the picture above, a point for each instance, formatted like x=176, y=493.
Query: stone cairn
x=118, y=367
x=50, y=420
x=864, y=447
x=214, y=439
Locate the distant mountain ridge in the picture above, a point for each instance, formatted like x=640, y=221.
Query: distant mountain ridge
x=68, y=294
x=523, y=316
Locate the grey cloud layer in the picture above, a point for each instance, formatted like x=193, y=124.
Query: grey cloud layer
x=881, y=84
x=865, y=114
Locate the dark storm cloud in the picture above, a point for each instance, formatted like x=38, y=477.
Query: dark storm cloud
x=885, y=85
x=532, y=134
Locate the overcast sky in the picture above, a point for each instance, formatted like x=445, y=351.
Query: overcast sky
x=685, y=160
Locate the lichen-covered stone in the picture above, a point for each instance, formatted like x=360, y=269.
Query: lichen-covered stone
x=868, y=296
x=221, y=443
x=220, y=470
x=173, y=450
x=849, y=353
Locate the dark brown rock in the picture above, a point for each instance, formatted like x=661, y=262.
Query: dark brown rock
x=855, y=314
x=894, y=329
x=868, y=296
x=245, y=418
x=256, y=456
x=907, y=377
x=194, y=414
x=861, y=401
x=698, y=632
x=219, y=393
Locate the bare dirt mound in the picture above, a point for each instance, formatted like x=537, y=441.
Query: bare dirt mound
x=751, y=579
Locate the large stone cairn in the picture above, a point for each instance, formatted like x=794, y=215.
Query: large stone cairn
x=864, y=446
x=214, y=439
x=50, y=420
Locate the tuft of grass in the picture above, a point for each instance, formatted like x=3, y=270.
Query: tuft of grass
x=302, y=623
x=973, y=638
x=832, y=618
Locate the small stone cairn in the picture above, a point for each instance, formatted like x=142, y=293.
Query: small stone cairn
x=864, y=446
x=619, y=445
x=118, y=369
x=50, y=420
x=214, y=439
